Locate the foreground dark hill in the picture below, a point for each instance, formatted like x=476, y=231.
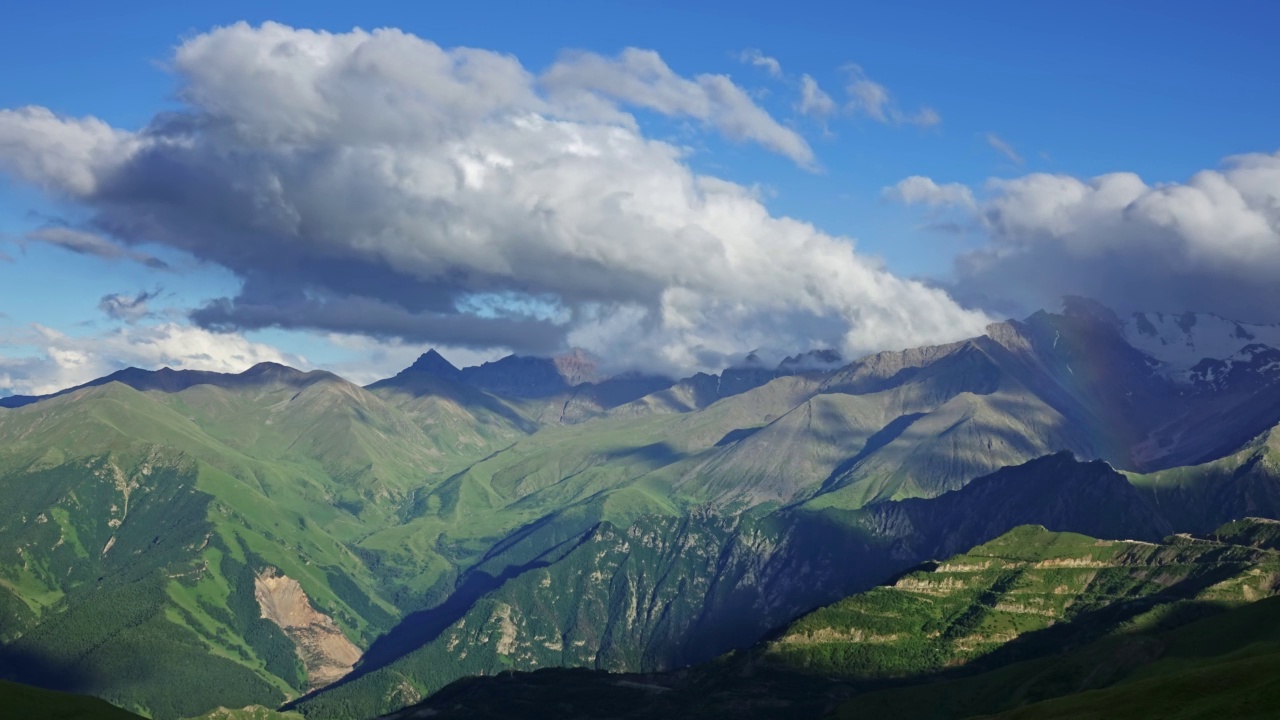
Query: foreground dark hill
x=1033, y=624
x=23, y=701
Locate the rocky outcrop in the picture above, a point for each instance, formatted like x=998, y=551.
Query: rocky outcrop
x=326, y=653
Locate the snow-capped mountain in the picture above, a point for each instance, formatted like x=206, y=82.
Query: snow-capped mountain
x=1252, y=366
x=1181, y=341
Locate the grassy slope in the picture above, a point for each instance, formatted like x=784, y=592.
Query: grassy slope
x=1219, y=665
x=1197, y=603
x=1011, y=595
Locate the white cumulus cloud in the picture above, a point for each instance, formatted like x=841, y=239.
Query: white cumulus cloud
x=1211, y=243
x=641, y=78
x=920, y=190
x=375, y=183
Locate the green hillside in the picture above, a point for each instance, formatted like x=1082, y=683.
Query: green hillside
x=1018, y=596
x=163, y=508
x=1192, y=660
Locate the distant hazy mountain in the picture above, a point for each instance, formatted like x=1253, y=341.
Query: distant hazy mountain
x=169, y=380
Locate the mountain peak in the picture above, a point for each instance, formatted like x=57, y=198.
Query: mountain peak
x=820, y=359
x=518, y=376
x=1083, y=307
x=578, y=366
x=434, y=363
x=264, y=371
x=266, y=367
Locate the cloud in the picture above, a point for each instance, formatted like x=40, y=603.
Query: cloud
x=871, y=99
x=88, y=243
x=753, y=56
x=377, y=184
x=919, y=190
x=999, y=145
x=69, y=151
x=640, y=78
x=42, y=360
x=260, y=305
x=1211, y=243
x=813, y=101
x=129, y=308
x=924, y=117
x=866, y=96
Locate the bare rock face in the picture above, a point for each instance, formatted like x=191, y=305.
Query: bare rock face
x=326, y=653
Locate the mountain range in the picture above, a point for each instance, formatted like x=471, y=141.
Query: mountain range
x=179, y=541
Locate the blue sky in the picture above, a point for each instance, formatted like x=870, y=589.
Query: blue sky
x=1078, y=90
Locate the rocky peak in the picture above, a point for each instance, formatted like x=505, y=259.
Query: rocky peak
x=821, y=359
x=433, y=363
x=517, y=376
x=529, y=376
x=578, y=366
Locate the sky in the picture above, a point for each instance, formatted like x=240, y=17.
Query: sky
x=344, y=185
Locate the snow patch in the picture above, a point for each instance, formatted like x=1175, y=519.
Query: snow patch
x=1180, y=341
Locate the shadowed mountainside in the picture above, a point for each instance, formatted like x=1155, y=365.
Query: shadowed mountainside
x=1033, y=624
